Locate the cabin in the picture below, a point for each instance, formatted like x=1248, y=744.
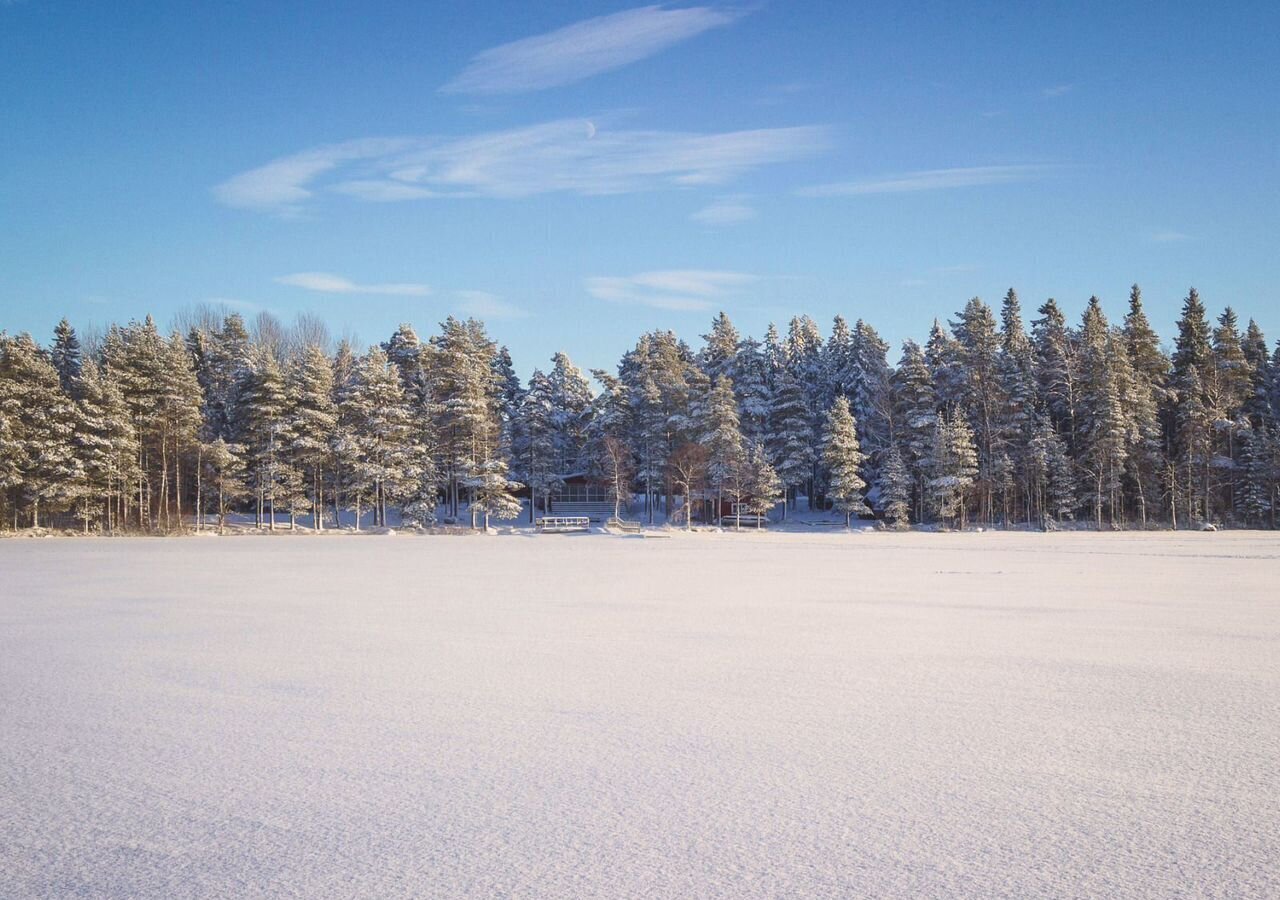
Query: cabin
x=578, y=495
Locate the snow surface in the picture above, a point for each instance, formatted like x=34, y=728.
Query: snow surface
x=735, y=715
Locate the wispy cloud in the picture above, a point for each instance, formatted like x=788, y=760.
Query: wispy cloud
x=484, y=305
x=1168, y=237
x=682, y=290
x=931, y=180
x=584, y=49
x=280, y=184
x=732, y=210
x=1057, y=90
x=328, y=283
x=567, y=155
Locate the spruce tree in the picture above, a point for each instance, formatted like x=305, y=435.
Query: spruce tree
x=724, y=441
x=953, y=466
x=1102, y=427
x=983, y=397
x=570, y=397
x=843, y=458
x=917, y=414
x=67, y=357
x=789, y=448
x=894, y=488
x=535, y=449
x=752, y=384
x=1056, y=353
x=720, y=351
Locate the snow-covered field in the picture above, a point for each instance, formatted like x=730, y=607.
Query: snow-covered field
x=985, y=715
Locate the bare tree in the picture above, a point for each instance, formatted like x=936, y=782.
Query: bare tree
x=309, y=330
x=688, y=471
x=617, y=472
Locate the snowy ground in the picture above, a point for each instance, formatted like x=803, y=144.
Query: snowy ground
x=994, y=715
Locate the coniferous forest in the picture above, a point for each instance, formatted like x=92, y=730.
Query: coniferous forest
x=999, y=419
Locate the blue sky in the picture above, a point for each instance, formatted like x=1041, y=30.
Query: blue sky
x=577, y=172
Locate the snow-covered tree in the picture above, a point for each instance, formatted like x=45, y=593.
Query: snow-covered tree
x=688, y=472
x=764, y=487
x=309, y=423
x=752, y=382
x=224, y=470
x=720, y=351
x=727, y=451
x=894, y=488
x=42, y=422
x=917, y=414
x=535, y=448
x=67, y=357
x=843, y=459
x=789, y=447
x=1101, y=422
x=953, y=466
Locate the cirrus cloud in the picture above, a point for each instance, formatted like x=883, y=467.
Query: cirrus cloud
x=328, y=283
x=725, y=211
x=566, y=155
x=931, y=180
x=681, y=290
x=584, y=49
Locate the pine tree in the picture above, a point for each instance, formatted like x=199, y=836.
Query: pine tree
x=843, y=459
x=470, y=428
x=105, y=443
x=405, y=351
x=309, y=423
x=225, y=472
x=263, y=404
x=383, y=432
x=492, y=491
x=42, y=422
x=10, y=449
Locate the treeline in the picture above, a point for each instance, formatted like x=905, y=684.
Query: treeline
x=990, y=422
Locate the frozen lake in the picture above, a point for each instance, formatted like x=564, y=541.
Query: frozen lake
x=997, y=715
